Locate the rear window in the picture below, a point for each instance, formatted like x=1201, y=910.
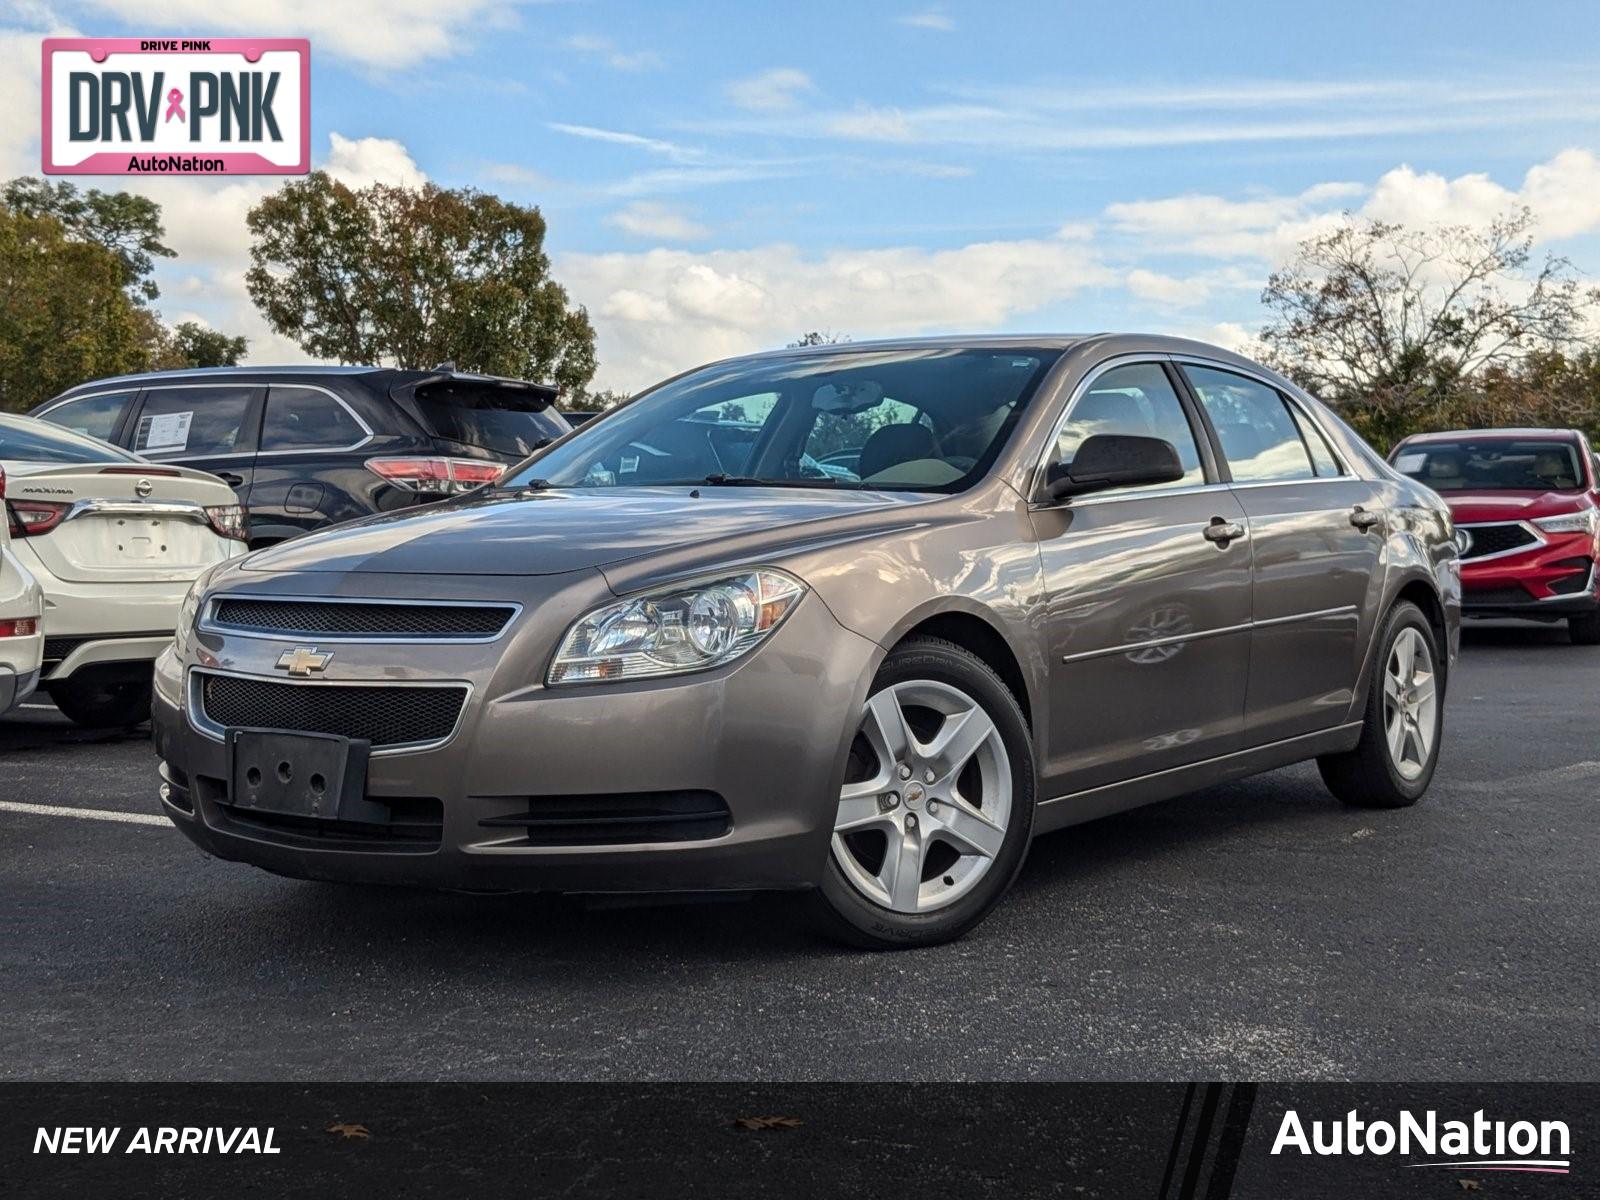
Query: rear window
x=504, y=420
x=35, y=442
x=1493, y=465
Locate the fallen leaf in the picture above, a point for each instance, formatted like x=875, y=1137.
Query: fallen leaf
x=346, y=1131
x=1468, y=1185
x=768, y=1122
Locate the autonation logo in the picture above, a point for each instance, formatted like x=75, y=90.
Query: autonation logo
x=1480, y=1144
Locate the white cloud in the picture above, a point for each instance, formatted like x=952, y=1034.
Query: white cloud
x=771, y=91
x=603, y=49
x=929, y=18
x=619, y=137
x=374, y=33
x=362, y=161
x=661, y=311
x=871, y=124
x=647, y=219
x=1166, y=289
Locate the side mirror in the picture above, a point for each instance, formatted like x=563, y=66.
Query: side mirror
x=1109, y=460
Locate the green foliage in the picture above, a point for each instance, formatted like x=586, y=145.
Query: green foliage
x=818, y=337
x=65, y=315
x=190, y=344
x=1404, y=330
x=415, y=277
x=127, y=225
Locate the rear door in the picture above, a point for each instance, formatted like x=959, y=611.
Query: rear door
x=1317, y=532
x=310, y=465
x=210, y=427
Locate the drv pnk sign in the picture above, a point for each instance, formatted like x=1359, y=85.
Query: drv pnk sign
x=171, y=106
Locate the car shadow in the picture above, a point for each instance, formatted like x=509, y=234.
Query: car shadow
x=37, y=725
x=1485, y=635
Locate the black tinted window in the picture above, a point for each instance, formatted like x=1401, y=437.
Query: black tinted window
x=1133, y=401
x=199, y=420
x=1259, y=437
x=302, y=419
x=1493, y=465
x=35, y=442
x=96, y=416
x=504, y=420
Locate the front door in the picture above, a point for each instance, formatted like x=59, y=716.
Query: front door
x=1318, y=536
x=1148, y=607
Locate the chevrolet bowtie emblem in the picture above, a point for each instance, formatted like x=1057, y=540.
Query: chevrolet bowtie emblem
x=304, y=661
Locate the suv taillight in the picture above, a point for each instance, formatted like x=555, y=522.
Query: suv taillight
x=436, y=476
x=21, y=627
x=30, y=518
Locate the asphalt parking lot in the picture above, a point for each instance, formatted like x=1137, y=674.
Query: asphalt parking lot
x=1258, y=930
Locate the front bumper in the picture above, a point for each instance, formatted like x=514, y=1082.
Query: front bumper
x=766, y=735
x=1554, y=580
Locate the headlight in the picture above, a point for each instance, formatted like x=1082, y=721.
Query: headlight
x=189, y=611
x=1584, y=521
x=688, y=628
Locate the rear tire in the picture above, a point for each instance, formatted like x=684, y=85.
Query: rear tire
x=1584, y=630
x=1394, y=761
x=97, y=705
x=929, y=833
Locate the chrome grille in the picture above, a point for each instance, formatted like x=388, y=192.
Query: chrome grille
x=360, y=619
x=385, y=715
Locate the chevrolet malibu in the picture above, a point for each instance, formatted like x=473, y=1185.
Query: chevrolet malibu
x=859, y=620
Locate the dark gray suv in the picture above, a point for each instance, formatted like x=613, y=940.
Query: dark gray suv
x=858, y=619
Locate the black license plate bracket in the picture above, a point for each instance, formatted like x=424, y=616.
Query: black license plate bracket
x=313, y=775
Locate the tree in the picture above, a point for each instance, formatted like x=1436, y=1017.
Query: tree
x=1387, y=321
x=603, y=400
x=415, y=277
x=818, y=337
x=191, y=344
x=65, y=315
x=127, y=225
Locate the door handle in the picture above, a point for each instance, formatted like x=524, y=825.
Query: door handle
x=1222, y=532
x=229, y=478
x=1364, y=520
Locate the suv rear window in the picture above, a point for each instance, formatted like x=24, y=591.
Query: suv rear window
x=505, y=420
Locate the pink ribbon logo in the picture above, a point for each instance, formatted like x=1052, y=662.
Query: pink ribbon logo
x=175, y=105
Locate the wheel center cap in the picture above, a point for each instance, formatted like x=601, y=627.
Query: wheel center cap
x=914, y=794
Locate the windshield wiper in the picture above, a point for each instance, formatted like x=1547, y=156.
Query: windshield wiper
x=723, y=479
x=527, y=485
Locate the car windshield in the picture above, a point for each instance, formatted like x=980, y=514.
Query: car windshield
x=33, y=441
x=1494, y=465
x=926, y=420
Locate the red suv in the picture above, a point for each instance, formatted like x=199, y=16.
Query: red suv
x=1527, y=508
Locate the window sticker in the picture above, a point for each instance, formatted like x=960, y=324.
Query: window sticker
x=164, y=433
x=1410, y=462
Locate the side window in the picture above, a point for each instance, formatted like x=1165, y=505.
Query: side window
x=1259, y=437
x=1136, y=400
x=198, y=420
x=304, y=419
x=1322, y=455
x=96, y=416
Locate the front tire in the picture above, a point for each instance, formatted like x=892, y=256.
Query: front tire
x=1584, y=630
x=936, y=811
x=1394, y=761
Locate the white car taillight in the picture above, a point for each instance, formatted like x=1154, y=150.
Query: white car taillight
x=436, y=476
x=31, y=518
x=229, y=520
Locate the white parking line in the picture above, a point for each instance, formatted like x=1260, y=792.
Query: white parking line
x=92, y=814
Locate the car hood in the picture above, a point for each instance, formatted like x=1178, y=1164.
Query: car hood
x=548, y=533
x=1469, y=508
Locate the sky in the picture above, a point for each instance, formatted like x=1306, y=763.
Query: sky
x=721, y=177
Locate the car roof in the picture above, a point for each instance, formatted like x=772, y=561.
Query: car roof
x=249, y=374
x=1485, y=435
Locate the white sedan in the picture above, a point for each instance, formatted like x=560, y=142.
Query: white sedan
x=114, y=541
x=21, y=622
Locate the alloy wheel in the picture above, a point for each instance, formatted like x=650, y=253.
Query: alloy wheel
x=1410, y=704
x=926, y=800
